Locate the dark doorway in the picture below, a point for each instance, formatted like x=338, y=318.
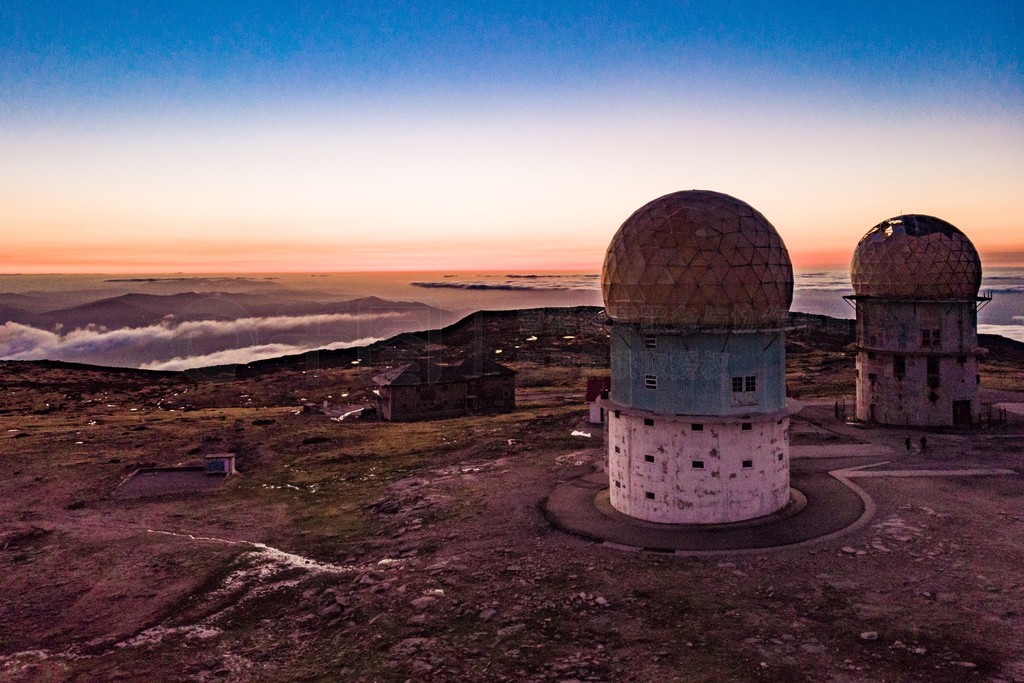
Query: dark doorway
x=871, y=412
x=962, y=413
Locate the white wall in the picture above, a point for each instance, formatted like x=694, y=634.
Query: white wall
x=723, y=491
x=886, y=329
x=911, y=401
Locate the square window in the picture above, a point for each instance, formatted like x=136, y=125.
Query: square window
x=649, y=495
x=651, y=381
x=697, y=427
x=746, y=426
x=780, y=457
x=648, y=458
x=618, y=484
x=737, y=384
x=617, y=450
x=648, y=422
x=871, y=355
x=617, y=414
x=899, y=366
x=961, y=360
x=650, y=341
x=697, y=464
x=750, y=383
x=872, y=377
x=748, y=464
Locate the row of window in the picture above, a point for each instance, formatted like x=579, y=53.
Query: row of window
x=744, y=384
x=930, y=338
x=899, y=369
x=436, y=404
x=699, y=464
x=695, y=426
x=649, y=495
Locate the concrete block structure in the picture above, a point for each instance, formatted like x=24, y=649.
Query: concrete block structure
x=220, y=464
x=916, y=280
x=697, y=287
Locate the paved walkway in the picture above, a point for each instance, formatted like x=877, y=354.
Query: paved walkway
x=825, y=504
x=829, y=503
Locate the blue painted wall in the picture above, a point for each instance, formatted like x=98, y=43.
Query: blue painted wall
x=694, y=371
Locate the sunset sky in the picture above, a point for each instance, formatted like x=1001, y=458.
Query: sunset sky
x=261, y=136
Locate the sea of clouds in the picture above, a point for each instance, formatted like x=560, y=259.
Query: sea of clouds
x=169, y=345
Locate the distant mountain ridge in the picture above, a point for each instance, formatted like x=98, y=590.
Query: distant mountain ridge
x=135, y=310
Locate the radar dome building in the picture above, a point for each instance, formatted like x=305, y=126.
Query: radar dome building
x=915, y=282
x=697, y=287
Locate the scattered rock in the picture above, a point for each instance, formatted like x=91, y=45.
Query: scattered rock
x=423, y=602
x=388, y=507
x=869, y=635
x=331, y=611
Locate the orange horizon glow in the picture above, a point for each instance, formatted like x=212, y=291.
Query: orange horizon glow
x=338, y=138
x=255, y=263
x=546, y=193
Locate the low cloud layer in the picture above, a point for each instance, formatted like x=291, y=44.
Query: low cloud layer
x=1015, y=332
x=170, y=345
x=248, y=355
x=482, y=286
x=518, y=283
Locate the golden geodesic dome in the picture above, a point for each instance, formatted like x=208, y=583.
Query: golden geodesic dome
x=697, y=258
x=916, y=257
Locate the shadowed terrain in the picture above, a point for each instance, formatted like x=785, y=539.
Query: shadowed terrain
x=367, y=551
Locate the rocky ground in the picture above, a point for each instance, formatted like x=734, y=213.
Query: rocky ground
x=362, y=551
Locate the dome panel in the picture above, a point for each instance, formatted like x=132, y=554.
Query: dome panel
x=717, y=262
x=916, y=257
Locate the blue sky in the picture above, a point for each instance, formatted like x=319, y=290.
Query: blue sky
x=91, y=92
x=69, y=53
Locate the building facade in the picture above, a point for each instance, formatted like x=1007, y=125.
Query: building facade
x=697, y=287
x=425, y=390
x=916, y=281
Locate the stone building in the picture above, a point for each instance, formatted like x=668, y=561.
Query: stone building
x=425, y=390
x=697, y=287
x=916, y=280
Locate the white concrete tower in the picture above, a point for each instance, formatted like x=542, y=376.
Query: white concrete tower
x=697, y=286
x=915, y=282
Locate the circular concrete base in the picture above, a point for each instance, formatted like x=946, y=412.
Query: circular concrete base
x=820, y=506
x=797, y=502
